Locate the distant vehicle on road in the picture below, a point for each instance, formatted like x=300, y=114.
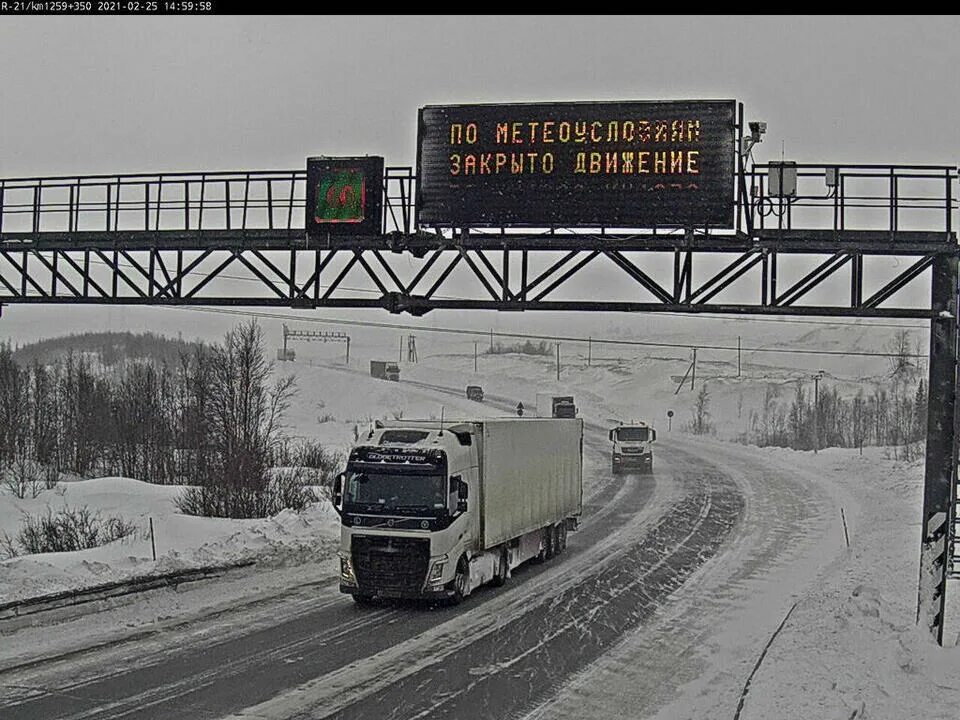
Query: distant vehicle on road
x=384, y=370
x=555, y=406
x=475, y=392
x=632, y=446
x=433, y=510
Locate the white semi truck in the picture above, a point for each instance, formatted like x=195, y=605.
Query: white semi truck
x=431, y=510
x=632, y=447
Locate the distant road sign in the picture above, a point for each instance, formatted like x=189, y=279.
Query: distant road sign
x=613, y=164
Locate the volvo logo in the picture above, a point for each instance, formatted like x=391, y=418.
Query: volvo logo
x=390, y=523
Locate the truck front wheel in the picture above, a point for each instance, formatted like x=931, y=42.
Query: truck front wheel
x=461, y=581
x=363, y=600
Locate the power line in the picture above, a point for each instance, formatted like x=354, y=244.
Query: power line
x=531, y=336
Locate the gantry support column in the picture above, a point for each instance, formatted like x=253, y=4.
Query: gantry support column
x=940, y=472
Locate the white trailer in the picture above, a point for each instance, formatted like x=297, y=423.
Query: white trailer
x=431, y=510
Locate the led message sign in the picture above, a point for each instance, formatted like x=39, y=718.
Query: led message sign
x=613, y=164
x=344, y=195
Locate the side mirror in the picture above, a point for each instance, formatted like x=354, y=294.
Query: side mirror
x=461, y=506
x=611, y=435
x=653, y=435
x=463, y=491
x=338, y=489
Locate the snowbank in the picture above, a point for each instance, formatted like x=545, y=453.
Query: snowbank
x=181, y=541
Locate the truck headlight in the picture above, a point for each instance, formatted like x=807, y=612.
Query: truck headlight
x=347, y=576
x=436, y=570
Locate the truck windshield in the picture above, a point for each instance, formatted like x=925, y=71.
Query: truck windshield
x=396, y=491
x=632, y=434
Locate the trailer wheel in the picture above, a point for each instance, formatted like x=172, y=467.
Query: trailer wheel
x=503, y=567
x=461, y=581
x=561, y=537
x=363, y=600
x=546, y=544
x=615, y=469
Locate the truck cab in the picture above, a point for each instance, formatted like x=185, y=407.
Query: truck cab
x=632, y=447
x=404, y=509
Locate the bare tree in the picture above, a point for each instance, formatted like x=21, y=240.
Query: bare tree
x=14, y=405
x=244, y=420
x=700, y=425
x=901, y=360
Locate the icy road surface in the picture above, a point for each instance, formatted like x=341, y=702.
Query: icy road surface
x=658, y=561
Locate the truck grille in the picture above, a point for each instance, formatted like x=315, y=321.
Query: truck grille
x=390, y=563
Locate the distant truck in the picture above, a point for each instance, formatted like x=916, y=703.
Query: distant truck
x=632, y=447
x=475, y=392
x=555, y=406
x=384, y=370
x=434, y=511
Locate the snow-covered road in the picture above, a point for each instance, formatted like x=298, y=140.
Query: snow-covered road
x=693, y=657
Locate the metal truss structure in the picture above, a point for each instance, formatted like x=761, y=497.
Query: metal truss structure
x=238, y=238
x=174, y=239
x=323, y=336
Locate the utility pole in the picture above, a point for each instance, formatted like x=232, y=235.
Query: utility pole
x=816, y=411
x=400, y=354
x=738, y=356
x=589, y=351
x=348, y=349
x=693, y=376
x=491, y=339
x=474, y=356
x=558, y=361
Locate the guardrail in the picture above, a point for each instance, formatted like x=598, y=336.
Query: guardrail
x=773, y=196
x=140, y=583
x=891, y=198
x=258, y=200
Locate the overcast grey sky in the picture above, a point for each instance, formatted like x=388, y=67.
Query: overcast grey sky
x=89, y=95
